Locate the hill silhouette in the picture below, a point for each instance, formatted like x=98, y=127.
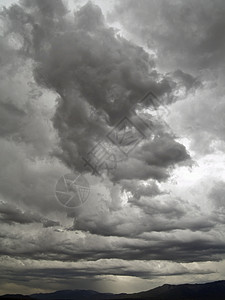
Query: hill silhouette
x=206, y=291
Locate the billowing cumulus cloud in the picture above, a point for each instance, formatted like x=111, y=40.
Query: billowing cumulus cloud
x=97, y=74
x=188, y=41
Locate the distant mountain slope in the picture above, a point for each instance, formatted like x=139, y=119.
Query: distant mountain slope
x=16, y=297
x=207, y=291
x=73, y=295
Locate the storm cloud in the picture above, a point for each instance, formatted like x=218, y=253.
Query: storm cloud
x=143, y=83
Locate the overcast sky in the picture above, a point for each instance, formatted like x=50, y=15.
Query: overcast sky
x=73, y=74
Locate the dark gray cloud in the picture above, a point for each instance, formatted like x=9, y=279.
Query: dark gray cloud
x=94, y=71
x=50, y=246
x=118, y=268
x=187, y=37
x=187, y=34
x=10, y=214
x=150, y=215
x=162, y=152
x=59, y=276
x=152, y=159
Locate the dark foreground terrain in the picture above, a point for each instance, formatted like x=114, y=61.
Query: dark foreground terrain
x=207, y=291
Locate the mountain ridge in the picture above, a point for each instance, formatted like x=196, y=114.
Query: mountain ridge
x=187, y=291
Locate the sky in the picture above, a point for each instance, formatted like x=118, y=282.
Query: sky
x=112, y=140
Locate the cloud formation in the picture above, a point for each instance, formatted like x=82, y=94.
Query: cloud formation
x=185, y=34
x=94, y=71
x=71, y=83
